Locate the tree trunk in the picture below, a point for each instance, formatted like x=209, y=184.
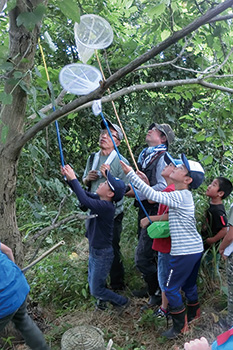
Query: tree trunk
x=22, y=51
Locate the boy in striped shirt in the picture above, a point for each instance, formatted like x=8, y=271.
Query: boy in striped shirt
x=186, y=242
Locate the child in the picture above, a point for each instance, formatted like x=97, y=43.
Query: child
x=227, y=241
x=163, y=245
x=216, y=220
x=186, y=242
x=13, y=293
x=100, y=234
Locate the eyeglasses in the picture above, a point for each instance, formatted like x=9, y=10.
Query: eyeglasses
x=105, y=131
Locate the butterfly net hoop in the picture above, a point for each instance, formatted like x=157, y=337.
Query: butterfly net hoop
x=80, y=79
x=92, y=33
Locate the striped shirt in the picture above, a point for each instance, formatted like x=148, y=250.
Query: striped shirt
x=185, y=239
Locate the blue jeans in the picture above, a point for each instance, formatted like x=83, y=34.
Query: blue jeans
x=163, y=263
x=32, y=335
x=100, y=262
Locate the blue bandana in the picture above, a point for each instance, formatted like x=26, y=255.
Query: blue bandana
x=150, y=153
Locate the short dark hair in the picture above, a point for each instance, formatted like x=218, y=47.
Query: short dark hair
x=225, y=185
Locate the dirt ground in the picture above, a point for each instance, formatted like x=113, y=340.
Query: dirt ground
x=130, y=330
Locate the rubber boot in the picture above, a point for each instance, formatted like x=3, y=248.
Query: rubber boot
x=193, y=310
x=180, y=324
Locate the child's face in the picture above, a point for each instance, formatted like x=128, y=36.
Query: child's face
x=213, y=189
x=103, y=189
x=168, y=170
x=179, y=174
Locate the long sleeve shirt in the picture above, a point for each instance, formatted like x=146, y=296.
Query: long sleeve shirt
x=99, y=229
x=182, y=224
x=161, y=183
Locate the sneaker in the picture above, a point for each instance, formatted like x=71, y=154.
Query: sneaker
x=161, y=313
x=101, y=305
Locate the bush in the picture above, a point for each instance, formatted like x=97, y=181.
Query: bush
x=60, y=281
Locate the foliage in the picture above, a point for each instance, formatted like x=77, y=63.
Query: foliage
x=200, y=116
x=64, y=280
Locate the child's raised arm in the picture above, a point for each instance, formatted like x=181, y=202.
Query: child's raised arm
x=68, y=172
x=126, y=168
x=7, y=250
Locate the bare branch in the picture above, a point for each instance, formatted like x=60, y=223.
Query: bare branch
x=216, y=87
x=161, y=64
x=49, y=107
x=222, y=64
x=221, y=18
x=47, y=229
x=157, y=85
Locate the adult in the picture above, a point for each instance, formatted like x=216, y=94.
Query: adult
x=94, y=174
x=151, y=163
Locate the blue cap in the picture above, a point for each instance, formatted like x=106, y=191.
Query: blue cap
x=116, y=185
x=196, y=172
x=168, y=159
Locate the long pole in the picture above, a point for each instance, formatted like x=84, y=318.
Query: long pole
x=117, y=115
x=43, y=255
x=56, y=122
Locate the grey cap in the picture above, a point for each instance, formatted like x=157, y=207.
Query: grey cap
x=166, y=130
x=113, y=126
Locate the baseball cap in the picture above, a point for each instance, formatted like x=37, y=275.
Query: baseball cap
x=116, y=185
x=114, y=126
x=168, y=159
x=166, y=129
x=196, y=172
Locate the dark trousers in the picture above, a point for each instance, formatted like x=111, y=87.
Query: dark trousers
x=117, y=270
x=145, y=256
x=182, y=275
x=32, y=335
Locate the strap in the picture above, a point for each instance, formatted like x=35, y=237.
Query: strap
x=109, y=160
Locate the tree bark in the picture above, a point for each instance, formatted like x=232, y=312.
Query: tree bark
x=21, y=55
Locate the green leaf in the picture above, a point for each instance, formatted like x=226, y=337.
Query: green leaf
x=70, y=9
x=11, y=4
x=5, y=98
x=221, y=133
x=155, y=11
x=7, y=66
x=18, y=74
x=197, y=105
x=207, y=160
x=4, y=133
x=30, y=19
x=188, y=117
x=200, y=137
x=165, y=34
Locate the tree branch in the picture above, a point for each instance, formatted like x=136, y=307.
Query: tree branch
x=97, y=94
x=221, y=18
x=47, y=229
